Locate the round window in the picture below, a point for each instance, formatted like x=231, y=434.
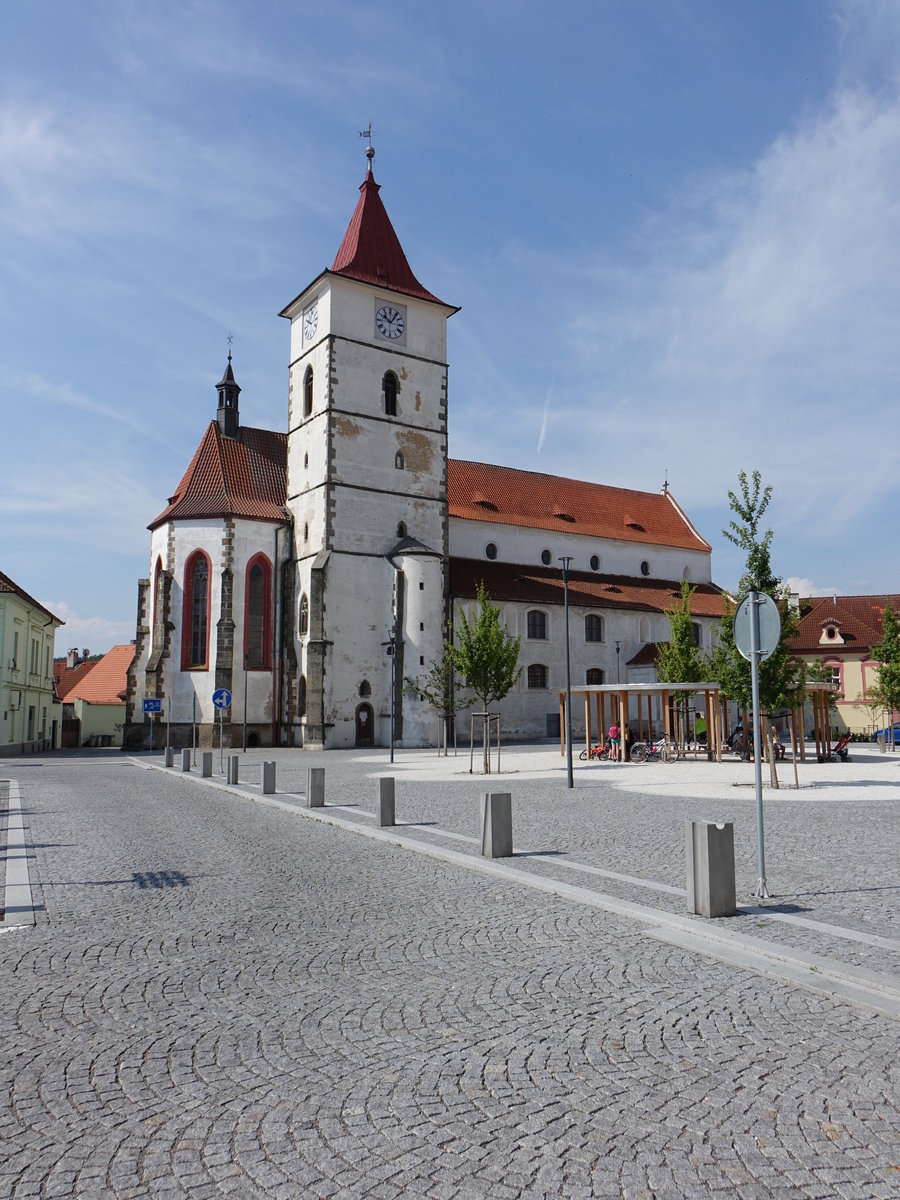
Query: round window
x=831, y=632
x=490, y=550
x=645, y=567
x=595, y=562
x=546, y=557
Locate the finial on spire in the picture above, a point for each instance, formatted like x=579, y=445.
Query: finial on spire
x=229, y=339
x=370, y=149
x=666, y=483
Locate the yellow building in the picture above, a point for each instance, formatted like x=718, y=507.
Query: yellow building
x=839, y=632
x=30, y=715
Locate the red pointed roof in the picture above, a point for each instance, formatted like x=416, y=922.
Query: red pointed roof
x=857, y=617
x=107, y=679
x=371, y=250
x=244, y=476
x=504, y=495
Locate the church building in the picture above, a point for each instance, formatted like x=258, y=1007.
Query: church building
x=308, y=574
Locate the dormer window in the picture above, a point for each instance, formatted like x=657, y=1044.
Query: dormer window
x=831, y=633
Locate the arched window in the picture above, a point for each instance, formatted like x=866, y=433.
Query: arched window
x=645, y=629
x=389, y=386
x=593, y=675
x=536, y=624
x=195, y=615
x=593, y=628
x=398, y=460
x=157, y=589
x=307, y=391
x=304, y=615
x=258, y=614
x=401, y=530
x=365, y=688
x=537, y=676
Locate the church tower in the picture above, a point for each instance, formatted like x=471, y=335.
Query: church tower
x=367, y=487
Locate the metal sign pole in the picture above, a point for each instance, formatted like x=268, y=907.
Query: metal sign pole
x=168, y=722
x=221, y=735
x=194, y=730
x=755, y=655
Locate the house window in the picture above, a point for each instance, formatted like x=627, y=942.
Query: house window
x=546, y=557
x=304, y=615
x=490, y=550
x=595, y=562
x=593, y=628
x=593, y=675
x=257, y=614
x=195, y=618
x=537, y=676
x=696, y=633
x=536, y=623
x=307, y=391
x=833, y=675
x=645, y=567
x=389, y=386
x=398, y=460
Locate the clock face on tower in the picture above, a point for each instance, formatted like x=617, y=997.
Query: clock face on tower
x=390, y=321
x=310, y=322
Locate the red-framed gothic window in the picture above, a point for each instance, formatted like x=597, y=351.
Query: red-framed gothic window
x=258, y=614
x=195, y=614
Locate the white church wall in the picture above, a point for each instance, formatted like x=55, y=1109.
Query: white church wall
x=468, y=539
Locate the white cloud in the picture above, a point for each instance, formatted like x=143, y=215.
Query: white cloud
x=96, y=634
x=806, y=587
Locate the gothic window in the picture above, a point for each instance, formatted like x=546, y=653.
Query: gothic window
x=389, y=385
x=157, y=589
x=307, y=391
x=195, y=619
x=536, y=624
x=304, y=615
x=593, y=675
x=537, y=676
x=593, y=628
x=398, y=460
x=258, y=615
x=401, y=530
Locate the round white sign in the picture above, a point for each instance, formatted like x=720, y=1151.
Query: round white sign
x=769, y=625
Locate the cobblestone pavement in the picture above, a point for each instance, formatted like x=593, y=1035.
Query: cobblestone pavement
x=225, y=998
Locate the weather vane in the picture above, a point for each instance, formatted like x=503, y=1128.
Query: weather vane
x=229, y=339
x=370, y=149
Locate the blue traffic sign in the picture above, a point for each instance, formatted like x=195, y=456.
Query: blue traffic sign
x=152, y=705
x=222, y=698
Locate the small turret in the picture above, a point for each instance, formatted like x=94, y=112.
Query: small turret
x=228, y=415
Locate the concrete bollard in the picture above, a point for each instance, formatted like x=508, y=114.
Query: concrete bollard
x=268, y=778
x=385, y=810
x=315, y=787
x=170, y=756
x=206, y=764
x=186, y=759
x=496, y=825
x=233, y=769
x=710, y=868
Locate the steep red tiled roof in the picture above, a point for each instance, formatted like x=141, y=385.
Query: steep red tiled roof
x=233, y=477
x=857, y=617
x=371, y=250
x=11, y=587
x=481, y=492
x=544, y=585
x=106, y=682
x=66, y=678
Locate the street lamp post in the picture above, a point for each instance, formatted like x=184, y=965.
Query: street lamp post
x=244, y=746
x=618, y=651
x=570, y=782
x=391, y=645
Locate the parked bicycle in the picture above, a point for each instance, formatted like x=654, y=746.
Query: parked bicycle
x=663, y=750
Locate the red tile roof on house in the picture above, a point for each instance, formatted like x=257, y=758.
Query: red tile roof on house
x=481, y=492
x=105, y=683
x=506, y=582
x=858, y=619
x=233, y=477
x=66, y=678
x=371, y=250
x=12, y=588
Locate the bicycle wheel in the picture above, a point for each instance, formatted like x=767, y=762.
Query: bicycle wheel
x=669, y=753
x=638, y=753
x=583, y=755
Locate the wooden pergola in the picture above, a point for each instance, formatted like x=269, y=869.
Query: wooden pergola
x=618, y=697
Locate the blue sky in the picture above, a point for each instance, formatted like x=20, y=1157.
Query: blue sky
x=672, y=226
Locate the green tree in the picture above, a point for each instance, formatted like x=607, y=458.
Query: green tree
x=439, y=688
x=487, y=658
x=887, y=653
x=680, y=660
x=782, y=677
